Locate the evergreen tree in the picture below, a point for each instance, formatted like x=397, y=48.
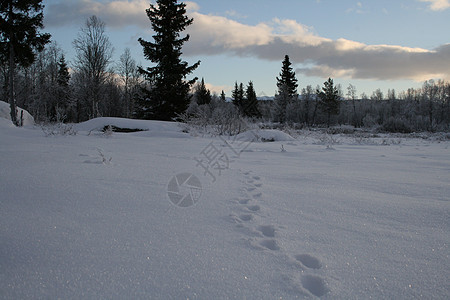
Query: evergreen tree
x=287, y=79
x=20, y=21
x=235, y=95
x=222, y=96
x=169, y=94
x=329, y=99
x=250, y=103
x=63, y=73
x=282, y=99
x=202, y=94
x=287, y=90
x=62, y=81
x=238, y=95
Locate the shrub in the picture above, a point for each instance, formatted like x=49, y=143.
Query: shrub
x=397, y=125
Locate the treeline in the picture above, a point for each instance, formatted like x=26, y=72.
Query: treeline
x=422, y=109
x=94, y=85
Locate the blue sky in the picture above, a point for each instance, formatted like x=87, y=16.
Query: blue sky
x=371, y=44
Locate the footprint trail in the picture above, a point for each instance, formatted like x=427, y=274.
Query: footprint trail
x=307, y=270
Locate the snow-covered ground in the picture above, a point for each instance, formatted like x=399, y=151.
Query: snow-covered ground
x=92, y=215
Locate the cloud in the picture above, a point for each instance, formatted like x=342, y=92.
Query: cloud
x=318, y=56
x=216, y=34
x=312, y=54
x=114, y=13
x=218, y=88
x=437, y=5
x=190, y=6
x=234, y=14
x=358, y=8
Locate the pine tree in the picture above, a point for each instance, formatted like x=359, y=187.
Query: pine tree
x=287, y=79
x=169, y=94
x=238, y=95
x=62, y=81
x=222, y=96
x=287, y=90
x=63, y=73
x=250, y=102
x=282, y=99
x=20, y=21
x=329, y=99
x=202, y=94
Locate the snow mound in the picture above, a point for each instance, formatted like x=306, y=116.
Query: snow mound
x=267, y=135
x=138, y=127
x=5, y=123
x=5, y=112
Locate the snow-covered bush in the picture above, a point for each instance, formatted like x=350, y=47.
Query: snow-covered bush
x=216, y=118
x=397, y=125
x=265, y=135
x=345, y=129
x=328, y=140
x=58, y=129
x=369, y=121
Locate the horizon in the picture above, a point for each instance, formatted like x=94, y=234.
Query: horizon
x=377, y=45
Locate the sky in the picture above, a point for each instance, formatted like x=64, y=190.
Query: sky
x=385, y=44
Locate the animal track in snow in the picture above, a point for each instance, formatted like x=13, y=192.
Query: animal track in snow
x=254, y=208
x=270, y=244
x=309, y=261
x=315, y=285
x=264, y=237
x=244, y=201
x=267, y=230
x=246, y=217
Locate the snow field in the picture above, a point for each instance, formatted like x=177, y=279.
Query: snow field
x=88, y=216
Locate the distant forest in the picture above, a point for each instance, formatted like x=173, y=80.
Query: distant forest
x=93, y=85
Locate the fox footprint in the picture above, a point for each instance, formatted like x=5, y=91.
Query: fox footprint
x=309, y=261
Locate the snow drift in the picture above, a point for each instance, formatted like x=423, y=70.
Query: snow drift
x=141, y=127
x=5, y=112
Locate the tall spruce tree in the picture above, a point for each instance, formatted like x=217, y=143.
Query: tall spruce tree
x=287, y=90
x=329, y=99
x=20, y=21
x=169, y=93
x=250, y=103
x=63, y=91
x=282, y=99
x=63, y=73
x=287, y=79
x=238, y=95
